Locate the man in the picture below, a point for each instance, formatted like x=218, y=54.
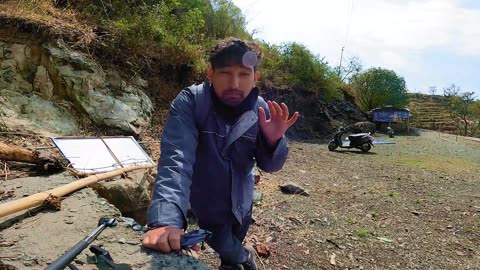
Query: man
x=214, y=135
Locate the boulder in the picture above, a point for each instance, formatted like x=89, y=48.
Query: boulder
x=32, y=113
x=130, y=194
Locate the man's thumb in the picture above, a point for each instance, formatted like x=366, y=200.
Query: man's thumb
x=146, y=240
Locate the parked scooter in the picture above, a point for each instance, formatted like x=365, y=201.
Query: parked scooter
x=362, y=141
x=390, y=132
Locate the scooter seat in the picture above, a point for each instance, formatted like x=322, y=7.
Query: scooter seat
x=358, y=135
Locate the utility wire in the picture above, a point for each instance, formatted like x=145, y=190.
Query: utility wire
x=347, y=32
x=349, y=23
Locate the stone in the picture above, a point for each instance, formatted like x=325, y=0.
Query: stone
x=257, y=197
x=130, y=195
x=293, y=188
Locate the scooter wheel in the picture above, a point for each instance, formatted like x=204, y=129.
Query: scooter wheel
x=366, y=147
x=332, y=146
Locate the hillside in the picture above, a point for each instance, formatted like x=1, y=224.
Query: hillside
x=62, y=59
x=429, y=112
x=412, y=204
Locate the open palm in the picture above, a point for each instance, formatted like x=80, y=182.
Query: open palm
x=277, y=125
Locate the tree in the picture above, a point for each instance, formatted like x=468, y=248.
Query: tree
x=351, y=70
x=432, y=90
x=378, y=87
x=463, y=109
x=451, y=91
x=475, y=110
x=226, y=20
x=293, y=66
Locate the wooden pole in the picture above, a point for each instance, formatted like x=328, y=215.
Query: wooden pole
x=39, y=198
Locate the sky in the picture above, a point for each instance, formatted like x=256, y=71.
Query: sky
x=427, y=42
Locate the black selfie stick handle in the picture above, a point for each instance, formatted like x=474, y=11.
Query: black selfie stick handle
x=66, y=258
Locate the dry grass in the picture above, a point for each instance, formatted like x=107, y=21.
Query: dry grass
x=43, y=16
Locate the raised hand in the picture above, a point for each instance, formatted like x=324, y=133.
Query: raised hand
x=274, y=128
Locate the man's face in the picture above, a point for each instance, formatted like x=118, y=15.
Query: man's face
x=232, y=84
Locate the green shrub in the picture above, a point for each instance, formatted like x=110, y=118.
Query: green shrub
x=294, y=66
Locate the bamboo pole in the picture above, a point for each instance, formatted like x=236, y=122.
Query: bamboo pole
x=39, y=198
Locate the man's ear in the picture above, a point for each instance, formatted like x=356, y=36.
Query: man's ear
x=257, y=76
x=209, y=73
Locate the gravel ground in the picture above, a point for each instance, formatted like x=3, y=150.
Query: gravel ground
x=414, y=204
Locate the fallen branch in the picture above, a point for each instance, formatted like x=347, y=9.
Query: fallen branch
x=39, y=198
x=20, y=154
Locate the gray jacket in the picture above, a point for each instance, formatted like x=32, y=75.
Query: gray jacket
x=205, y=161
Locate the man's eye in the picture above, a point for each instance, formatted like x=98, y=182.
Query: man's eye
x=244, y=74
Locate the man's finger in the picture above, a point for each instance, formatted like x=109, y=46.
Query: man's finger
x=278, y=110
x=147, y=242
x=196, y=248
x=174, y=240
x=262, y=117
x=271, y=107
x=285, y=111
x=293, y=119
x=150, y=240
x=162, y=243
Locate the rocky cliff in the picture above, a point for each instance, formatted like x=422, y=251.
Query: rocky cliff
x=48, y=87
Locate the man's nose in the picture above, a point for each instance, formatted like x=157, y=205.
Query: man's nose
x=235, y=81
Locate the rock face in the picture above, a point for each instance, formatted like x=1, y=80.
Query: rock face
x=50, y=87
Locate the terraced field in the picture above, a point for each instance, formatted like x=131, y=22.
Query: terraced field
x=429, y=112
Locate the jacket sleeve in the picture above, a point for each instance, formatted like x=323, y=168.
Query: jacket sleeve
x=171, y=191
x=270, y=159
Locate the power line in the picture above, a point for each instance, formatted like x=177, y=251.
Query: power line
x=349, y=23
x=347, y=33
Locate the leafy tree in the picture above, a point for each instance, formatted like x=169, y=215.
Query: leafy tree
x=475, y=110
x=378, y=87
x=463, y=108
x=226, y=19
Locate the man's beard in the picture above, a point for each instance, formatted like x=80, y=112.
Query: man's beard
x=232, y=97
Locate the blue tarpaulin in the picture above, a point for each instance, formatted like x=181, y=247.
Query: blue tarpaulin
x=390, y=116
